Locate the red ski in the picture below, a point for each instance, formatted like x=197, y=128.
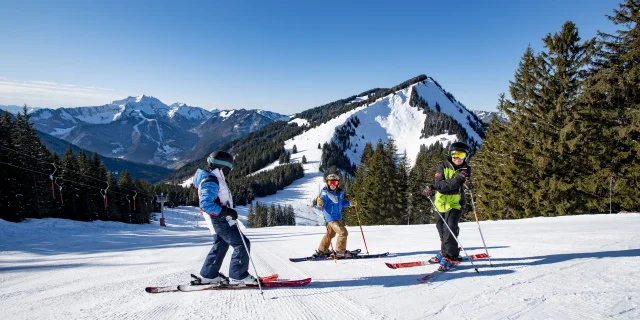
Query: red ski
x=425, y=263
x=175, y=288
x=266, y=285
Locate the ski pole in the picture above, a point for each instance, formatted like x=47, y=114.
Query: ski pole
x=478, y=222
x=231, y=222
x=360, y=224
x=454, y=236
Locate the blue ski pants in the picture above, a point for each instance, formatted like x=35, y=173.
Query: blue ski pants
x=226, y=236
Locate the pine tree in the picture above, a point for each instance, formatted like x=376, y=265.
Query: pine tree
x=304, y=159
x=500, y=171
x=126, y=184
x=9, y=175
x=401, y=188
x=561, y=73
x=112, y=210
x=30, y=185
x=272, y=216
x=251, y=217
x=70, y=188
x=279, y=216
x=290, y=216
x=261, y=213
x=418, y=205
x=295, y=149
x=610, y=115
x=98, y=172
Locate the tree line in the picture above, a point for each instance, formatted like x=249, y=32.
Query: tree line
x=262, y=215
x=571, y=141
x=36, y=183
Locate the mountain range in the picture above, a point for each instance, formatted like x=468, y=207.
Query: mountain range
x=144, y=129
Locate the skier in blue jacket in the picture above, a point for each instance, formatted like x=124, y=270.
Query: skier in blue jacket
x=331, y=200
x=216, y=205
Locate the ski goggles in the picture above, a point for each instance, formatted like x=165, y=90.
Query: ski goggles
x=333, y=183
x=458, y=154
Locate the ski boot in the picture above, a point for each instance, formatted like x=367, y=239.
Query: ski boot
x=248, y=281
x=436, y=259
x=446, y=264
x=221, y=279
x=320, y=254
x=344, y=255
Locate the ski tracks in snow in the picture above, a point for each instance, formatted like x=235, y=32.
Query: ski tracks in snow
x=309, y=302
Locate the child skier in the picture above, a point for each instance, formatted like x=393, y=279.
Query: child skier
x=448, y=183
x=216, y=205
x=331, y=200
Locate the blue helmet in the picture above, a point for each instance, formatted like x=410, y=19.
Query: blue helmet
x=220, y=160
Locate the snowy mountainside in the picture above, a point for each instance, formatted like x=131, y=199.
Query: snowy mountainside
x=487, y=116
x=13, y=109
x=573, y=267
x=391, y=116
x=144, y=129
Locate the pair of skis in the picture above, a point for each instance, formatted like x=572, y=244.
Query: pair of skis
x=355, y=254
x=267, y=282
x=429, y=277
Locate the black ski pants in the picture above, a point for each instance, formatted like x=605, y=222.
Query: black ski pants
x=448, y=244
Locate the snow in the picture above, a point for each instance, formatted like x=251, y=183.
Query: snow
x=578, y=267
x=65, y=115
x=300, y=122
x=188, y=183
x=61, y=132
x=188, y=112
x=45, y=114
x=273, y=116
x=119, y=149
x=226, y=114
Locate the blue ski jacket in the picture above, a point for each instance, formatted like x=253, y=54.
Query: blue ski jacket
x=208, y=187
x=332, y=203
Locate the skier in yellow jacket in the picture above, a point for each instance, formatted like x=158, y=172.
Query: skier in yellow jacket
x=448, y=184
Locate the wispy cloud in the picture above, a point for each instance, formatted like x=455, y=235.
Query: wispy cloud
x=53, y=94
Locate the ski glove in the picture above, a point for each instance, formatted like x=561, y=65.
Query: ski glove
x=464, y=174
x=428, y=191
x=226, y=211
x=468, y=183
x=319, y=201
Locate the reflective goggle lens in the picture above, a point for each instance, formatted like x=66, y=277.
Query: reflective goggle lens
x=333, y=182
x=458, y=154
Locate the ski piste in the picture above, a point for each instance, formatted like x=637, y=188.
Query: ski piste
x=176, y=288
x=356, y=255
x=266, y=285
x=425, y=263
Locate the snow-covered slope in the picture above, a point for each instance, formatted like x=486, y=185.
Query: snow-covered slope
x=389, y=117
x=578, y=267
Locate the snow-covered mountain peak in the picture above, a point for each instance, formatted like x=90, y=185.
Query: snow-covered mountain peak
x=274, y=116
x=189, y=112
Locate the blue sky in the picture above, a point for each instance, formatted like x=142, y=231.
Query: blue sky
x=284, y=56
